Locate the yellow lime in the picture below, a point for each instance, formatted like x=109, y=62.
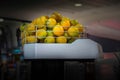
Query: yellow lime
x=41, y=33
x=80, y=27
x=51, y=22
x=40, y=22
x=65, y=24
x=31, y=39
x=50, y=33
x=30, y=27
x=73, y=32
x=49, y=39
x=61, y=39
x=58, y=30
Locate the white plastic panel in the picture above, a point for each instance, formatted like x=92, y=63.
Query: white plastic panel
x=79, y=49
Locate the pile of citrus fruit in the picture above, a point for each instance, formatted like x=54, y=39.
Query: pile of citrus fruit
x=51, y=29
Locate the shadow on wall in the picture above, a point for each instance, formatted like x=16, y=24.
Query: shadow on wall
x=108, y=45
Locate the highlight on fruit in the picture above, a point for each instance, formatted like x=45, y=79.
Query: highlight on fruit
x=53, y=28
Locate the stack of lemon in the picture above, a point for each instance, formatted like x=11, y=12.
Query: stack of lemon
x=51, y=29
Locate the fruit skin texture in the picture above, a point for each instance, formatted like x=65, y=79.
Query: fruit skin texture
x=41, y=33
x=57, y=16
x=61, y=39
x=58, y=30
x=73, y=32
x=74, y=22
x=49, y=39
x=22, y=27
x=30, y=27
x=31, y=39
x=50, y=33
x=80, y=27
x=65, y=24
x=40, y=22
x=67, y=36
x=51, y=22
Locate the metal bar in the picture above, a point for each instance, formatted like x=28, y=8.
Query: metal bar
x=14, y=19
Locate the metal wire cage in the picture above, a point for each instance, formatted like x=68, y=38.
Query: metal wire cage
x=29, y=37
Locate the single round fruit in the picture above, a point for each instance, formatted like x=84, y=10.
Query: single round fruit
x=73, y=32
x=40, y=22
x=51, y=22
x=49, y=39
x=80, y=27
x=58, y=30
x=65, y=24
x=41, y=33
x=61, y=39
x=30, y=27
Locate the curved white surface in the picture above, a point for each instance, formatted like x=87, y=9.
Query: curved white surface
x=79, y=49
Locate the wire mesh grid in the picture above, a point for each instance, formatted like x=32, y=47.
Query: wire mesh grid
x=40, y=39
